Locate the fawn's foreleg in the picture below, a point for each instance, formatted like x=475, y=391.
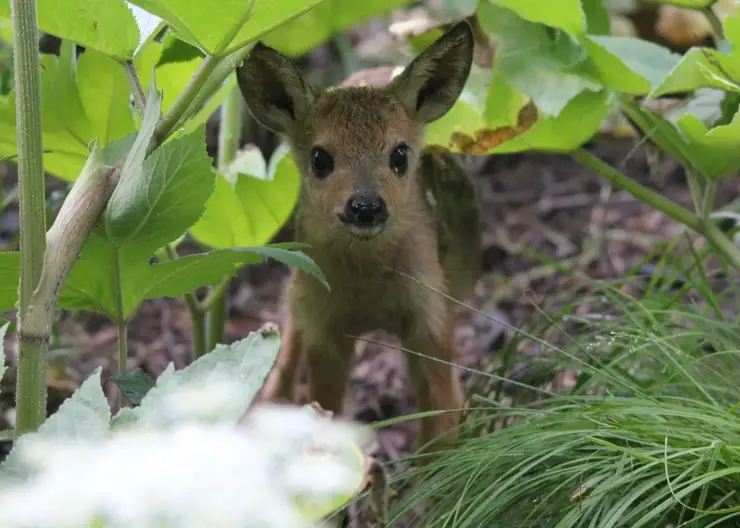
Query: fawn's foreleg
x=434, y=384
x=280, y=383
x=329, y=356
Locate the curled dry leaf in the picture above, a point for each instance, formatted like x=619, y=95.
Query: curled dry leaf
x=487, y=138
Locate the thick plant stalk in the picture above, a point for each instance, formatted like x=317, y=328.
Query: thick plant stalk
x=228, y=144
x=65, y=239
x=31, y=383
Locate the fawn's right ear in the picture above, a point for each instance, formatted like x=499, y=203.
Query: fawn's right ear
x=274, y=90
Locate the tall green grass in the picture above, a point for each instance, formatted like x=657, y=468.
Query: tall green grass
x=648, y=436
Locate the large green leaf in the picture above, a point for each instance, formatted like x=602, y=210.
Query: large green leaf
x=574, y=126
x=716, y=149
x=251, y=201
x=706, y=67
x=187, y=273
x=224, y=223
x=627, y=64
x=157, y=204
x=91, y=285
x=318, y=25
x=508, y=123
x=239, y=368
x=209, y=24
x=567, y=15
x=533, y=62
x=83, y=416
x=83, y=99
x=107, y=26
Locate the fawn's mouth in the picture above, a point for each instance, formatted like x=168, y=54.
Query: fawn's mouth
x=363, y=231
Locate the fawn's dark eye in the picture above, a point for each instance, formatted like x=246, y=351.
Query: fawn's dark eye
x=321, y=162
x=399, y=158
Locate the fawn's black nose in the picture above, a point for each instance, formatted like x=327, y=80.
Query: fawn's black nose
x=365, y=210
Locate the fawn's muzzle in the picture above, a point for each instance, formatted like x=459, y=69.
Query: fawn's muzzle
x=365, y=210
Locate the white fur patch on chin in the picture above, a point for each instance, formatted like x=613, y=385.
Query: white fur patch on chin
x=364, y=233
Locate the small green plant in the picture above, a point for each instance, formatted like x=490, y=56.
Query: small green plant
x=646, y=435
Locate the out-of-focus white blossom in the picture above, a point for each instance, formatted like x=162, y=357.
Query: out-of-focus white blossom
x=191, y=475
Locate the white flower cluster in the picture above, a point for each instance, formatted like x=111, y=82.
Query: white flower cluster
x=264, y=473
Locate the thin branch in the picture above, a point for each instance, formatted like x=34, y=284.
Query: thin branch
x=136, y=89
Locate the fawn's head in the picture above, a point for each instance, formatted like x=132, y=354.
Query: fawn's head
x=357, y=148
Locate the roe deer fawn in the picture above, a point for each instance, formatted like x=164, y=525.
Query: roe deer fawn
x=372, y=204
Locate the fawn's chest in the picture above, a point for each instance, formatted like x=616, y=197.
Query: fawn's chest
x=366, y=294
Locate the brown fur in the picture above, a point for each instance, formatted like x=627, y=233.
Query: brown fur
x=435, y=241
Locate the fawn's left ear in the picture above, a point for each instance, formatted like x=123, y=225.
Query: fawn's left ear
x=431, y=84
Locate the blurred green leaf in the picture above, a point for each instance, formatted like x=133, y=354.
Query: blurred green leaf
x=107, y=26
x=185, y=274
x=241, y=368
x=711, y=151
x=567, y=15
x=575, y=125
x=533, y=62
x=208, y=24
x=251, y=201
x=83, y=416
x=83, y=99
x=506, y=122
x=597, y=17
x=715, y=150
x=657, y=128
x=90, y=284
x=706, y=67
x=224, y=223
x=627, y=64
x=268, y=199
x=157, y=204
x=327, y=19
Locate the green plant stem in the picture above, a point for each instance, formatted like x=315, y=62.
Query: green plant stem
x=667, y=207
x=715, y=22
x=197, y=314
x=184, y=100
x=229, y=134
x=213, y=296
x=121, y=323
x=31, y=381
x=707, y=203
x=136, y=89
